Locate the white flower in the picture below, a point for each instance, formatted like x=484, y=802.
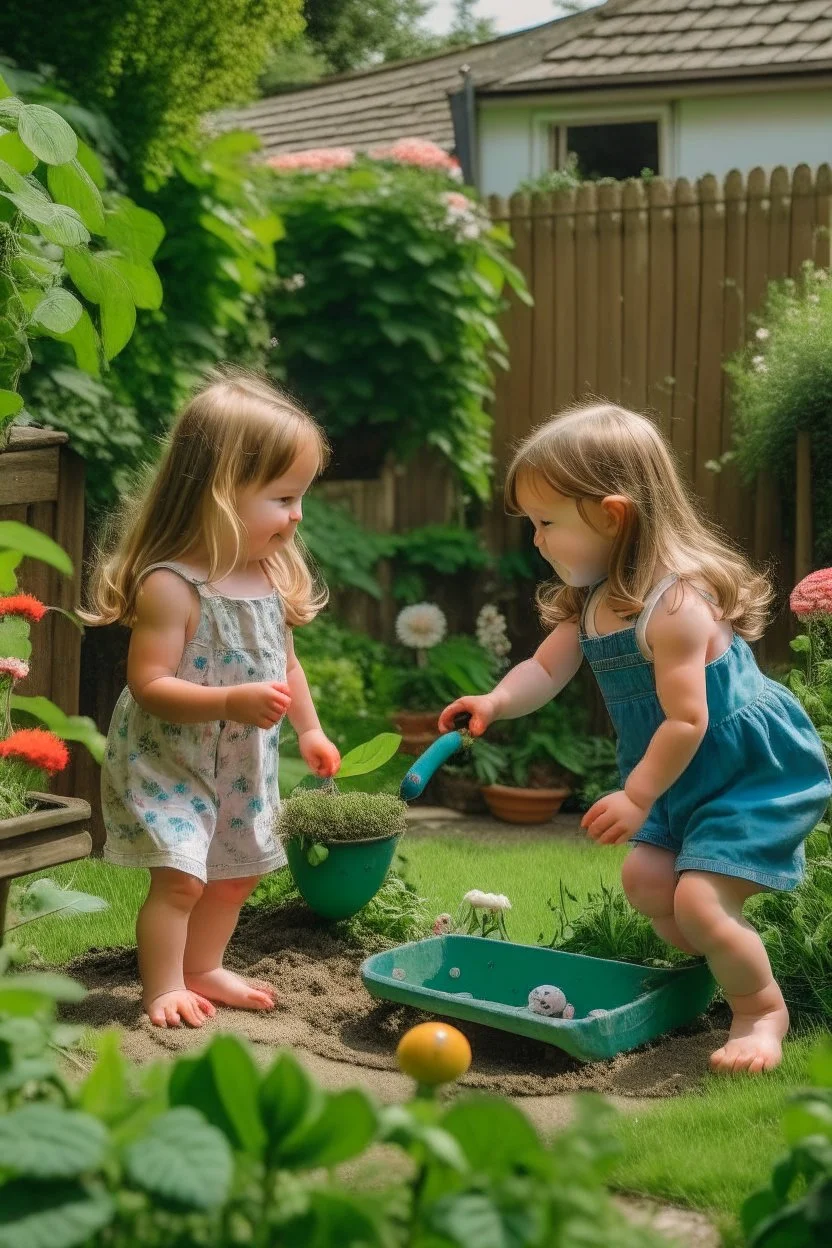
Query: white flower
x=421, y=626
x=491, y=631
x=813, y=298
x=762, y=334
x=296, y=282
x=759, y=362
x=487, y=901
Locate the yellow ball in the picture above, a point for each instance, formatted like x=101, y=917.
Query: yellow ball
x=434, y=1053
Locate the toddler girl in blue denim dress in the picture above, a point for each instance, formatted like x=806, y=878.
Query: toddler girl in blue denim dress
x=209, y=577
x=723, y=775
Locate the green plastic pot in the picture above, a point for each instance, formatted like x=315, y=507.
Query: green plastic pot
x=347, y=877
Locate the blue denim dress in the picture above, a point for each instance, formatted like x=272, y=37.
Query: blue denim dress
x=759, y=781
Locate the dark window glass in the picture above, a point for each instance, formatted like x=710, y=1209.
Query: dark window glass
x=615, y=150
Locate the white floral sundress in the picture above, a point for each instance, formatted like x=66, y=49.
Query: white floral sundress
x=201, y=798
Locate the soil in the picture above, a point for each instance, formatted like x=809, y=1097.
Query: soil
x=324, y=1010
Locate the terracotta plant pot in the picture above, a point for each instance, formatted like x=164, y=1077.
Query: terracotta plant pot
x=418, y=729
x=523, y=805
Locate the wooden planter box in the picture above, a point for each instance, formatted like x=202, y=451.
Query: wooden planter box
x=56, y=831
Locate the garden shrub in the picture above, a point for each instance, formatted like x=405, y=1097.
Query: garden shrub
x=782, y=385
x=385, y=312
x=211, y=1150
x=154, y=68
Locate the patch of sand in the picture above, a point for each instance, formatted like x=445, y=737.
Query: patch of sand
x=324, y=1010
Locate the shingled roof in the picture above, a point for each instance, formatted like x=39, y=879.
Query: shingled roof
x=660, y=40
x=619, y=43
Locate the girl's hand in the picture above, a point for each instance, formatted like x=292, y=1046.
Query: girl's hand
x=481, y=708
x=318, y=752
x=614, y=819
x=261, y=703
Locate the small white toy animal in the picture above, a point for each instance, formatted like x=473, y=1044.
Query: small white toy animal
x=551, y=1001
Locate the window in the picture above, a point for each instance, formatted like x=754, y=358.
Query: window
x=608, y=149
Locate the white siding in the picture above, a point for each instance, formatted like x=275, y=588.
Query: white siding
x=702, y=134
x=741, y=131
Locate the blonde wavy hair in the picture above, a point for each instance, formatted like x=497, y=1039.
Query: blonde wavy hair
x=237, y=430
x=593, y=451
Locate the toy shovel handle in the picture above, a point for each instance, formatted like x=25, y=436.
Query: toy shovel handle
x=435, y=755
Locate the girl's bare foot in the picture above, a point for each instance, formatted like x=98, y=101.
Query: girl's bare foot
x=171, y=1009
x=227, y=988
x=755, y=1041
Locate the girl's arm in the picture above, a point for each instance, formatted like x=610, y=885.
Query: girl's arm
x=527, y=687
x=318, y=752
x=679, y=641
x=166, y=616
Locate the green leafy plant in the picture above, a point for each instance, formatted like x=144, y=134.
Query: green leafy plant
x=44, y=897
x=425, y=557
x=782, y=385
x=605, y=925
x=389, y=273
x=27, y=755
x=796, y=1207
x=51, y=210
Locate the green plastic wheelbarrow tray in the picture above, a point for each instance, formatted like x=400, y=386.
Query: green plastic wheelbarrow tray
x=489, y=981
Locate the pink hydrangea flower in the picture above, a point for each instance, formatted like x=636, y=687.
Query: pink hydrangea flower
x=417, y=152
x=813, y=595
x=313, y=160
x=16, y=668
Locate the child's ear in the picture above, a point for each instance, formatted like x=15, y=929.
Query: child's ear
x=616, y=509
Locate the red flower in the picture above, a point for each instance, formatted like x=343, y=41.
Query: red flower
x=37, y=747
x=813, y=596
x=23, y=604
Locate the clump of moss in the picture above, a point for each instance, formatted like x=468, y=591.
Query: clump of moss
x=323, y=816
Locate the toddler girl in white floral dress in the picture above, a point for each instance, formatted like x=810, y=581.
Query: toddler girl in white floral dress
x=209, y=576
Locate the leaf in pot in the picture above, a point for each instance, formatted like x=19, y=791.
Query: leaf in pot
x=369, y=756
x=316, y=854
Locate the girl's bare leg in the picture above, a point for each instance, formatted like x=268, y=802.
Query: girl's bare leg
x=648, y=878
x=708, y=909
x=161, y=933
x=211, y=926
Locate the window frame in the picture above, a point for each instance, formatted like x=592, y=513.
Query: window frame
x=550, y=126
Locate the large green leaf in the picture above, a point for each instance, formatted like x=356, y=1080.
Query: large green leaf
x=370, y=755
x=14, y=637
x=69, y=727
x=142, y=281
x=104, y=1092
x=46, y=134
x=58, y=224
x=10, y=404
x=345, y=1128
x=182, y=1158
x=93, y=166
x=470, y=1218
x=290, y=1101
x=34, y=545
x=54, y=1215
x=44, y=896
x=58, y=312
x=134, y=231
x=494, y=1134
x=199, y=1083
x=71, y=184
x=15, y=181
x=99, y=280
x=85, y=343
x=237, y=1081
x=16, y=153
x=49, y=1142
x=9, y=562
x=336, y=1218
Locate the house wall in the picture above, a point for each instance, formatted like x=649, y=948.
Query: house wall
x=699, y=134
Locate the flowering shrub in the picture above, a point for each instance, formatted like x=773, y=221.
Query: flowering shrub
x=385, y=314
x=28, y=756
x=782, y=387
x=444, y=669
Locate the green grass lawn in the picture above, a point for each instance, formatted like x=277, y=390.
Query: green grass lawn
x=711, y=1149
x=443, y=869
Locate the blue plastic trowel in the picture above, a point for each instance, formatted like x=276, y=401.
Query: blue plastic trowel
x=435, y=755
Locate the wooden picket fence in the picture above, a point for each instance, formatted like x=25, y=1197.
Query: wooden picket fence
x=641, y=291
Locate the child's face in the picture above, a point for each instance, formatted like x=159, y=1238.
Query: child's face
x=578, y=551
x=272, y=512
